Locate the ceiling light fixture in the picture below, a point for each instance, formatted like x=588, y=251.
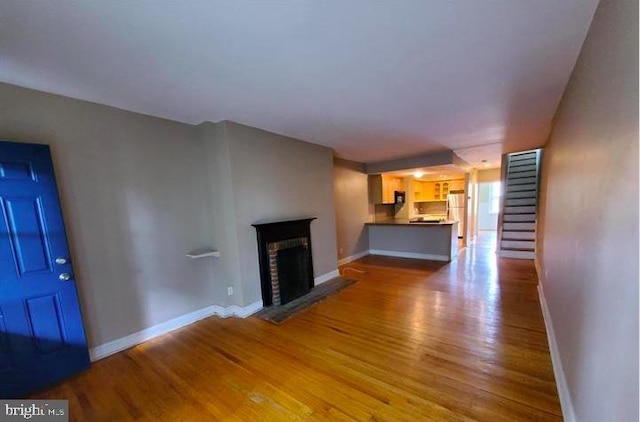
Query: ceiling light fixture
x=418, y=174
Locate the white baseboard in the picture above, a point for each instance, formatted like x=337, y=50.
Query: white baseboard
x=353, y=257
x=326, y=277
x=241, y=311
x=414, y=255
x=561, y=381
x=536, y=264
x=115, y=346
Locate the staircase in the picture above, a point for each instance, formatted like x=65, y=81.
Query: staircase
x=518, y=217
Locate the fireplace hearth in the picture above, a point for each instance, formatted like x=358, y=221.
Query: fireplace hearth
x=286, y=267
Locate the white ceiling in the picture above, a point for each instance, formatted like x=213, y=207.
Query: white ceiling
x=373, y=80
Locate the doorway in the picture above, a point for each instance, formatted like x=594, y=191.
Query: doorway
x=488, y=211
x=41, y=333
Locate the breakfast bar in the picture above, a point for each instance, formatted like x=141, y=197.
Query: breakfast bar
x=436, y=241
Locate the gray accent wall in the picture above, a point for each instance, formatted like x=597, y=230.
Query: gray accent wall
x=278, y=178
x=132, y=189
x=588, y=233
x=351, y=189
x=139, y=192
x=433, y=241
x=221, y=213
x=421, y=160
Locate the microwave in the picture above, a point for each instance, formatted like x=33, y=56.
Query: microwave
x=399, y=197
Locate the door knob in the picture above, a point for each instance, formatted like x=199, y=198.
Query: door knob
x=64, y=277
x=61, y=261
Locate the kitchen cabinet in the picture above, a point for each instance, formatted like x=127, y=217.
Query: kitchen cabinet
x=456, y=185
x=382, y=188
x=422, y=191
x=440, y=190
x=436, y=190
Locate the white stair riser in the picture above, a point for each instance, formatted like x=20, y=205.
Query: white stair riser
x=525, y=194
x=509, y=218
x=519, y=188
x=519, y=226
x=518, y=244
x=519, y=202
x=519, y=210
x=523, y=181
x=520, y=157
x=507, y=235
x=523, y=166
x=519, y=175
x=517, y=254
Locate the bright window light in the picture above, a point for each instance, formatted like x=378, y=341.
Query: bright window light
x=495, y=197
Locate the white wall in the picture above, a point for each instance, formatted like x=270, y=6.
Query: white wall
x=472, y=206
x=489, y=175
x=588, y=236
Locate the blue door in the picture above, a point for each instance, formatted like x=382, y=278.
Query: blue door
x=41, y=334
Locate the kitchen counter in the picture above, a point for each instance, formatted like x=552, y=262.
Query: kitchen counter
x=405, y=222
x=400, y=238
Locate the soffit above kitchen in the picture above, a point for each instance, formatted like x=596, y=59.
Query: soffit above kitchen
x=372, y=80
x=432, y=173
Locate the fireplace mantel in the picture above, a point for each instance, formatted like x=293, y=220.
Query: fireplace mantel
x=277, y=231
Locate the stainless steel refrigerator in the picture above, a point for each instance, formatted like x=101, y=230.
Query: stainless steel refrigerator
x=455, y=210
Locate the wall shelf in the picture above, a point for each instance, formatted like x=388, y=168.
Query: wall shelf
x=204, y=253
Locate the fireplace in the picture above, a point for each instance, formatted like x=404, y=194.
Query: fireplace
x=286, y=267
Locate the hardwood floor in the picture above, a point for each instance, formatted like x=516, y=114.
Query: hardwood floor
x=412, y=340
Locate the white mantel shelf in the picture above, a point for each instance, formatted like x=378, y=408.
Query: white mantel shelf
x=204, y=253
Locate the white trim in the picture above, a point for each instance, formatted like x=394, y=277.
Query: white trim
x=561, y=381
x=122, y=343
x=203, y=253
x=326, y=277
x=414, y=255
x=353, y=257
x=536, y=264
x=242, y=311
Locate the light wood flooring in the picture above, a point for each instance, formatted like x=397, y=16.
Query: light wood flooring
x=412, y=340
